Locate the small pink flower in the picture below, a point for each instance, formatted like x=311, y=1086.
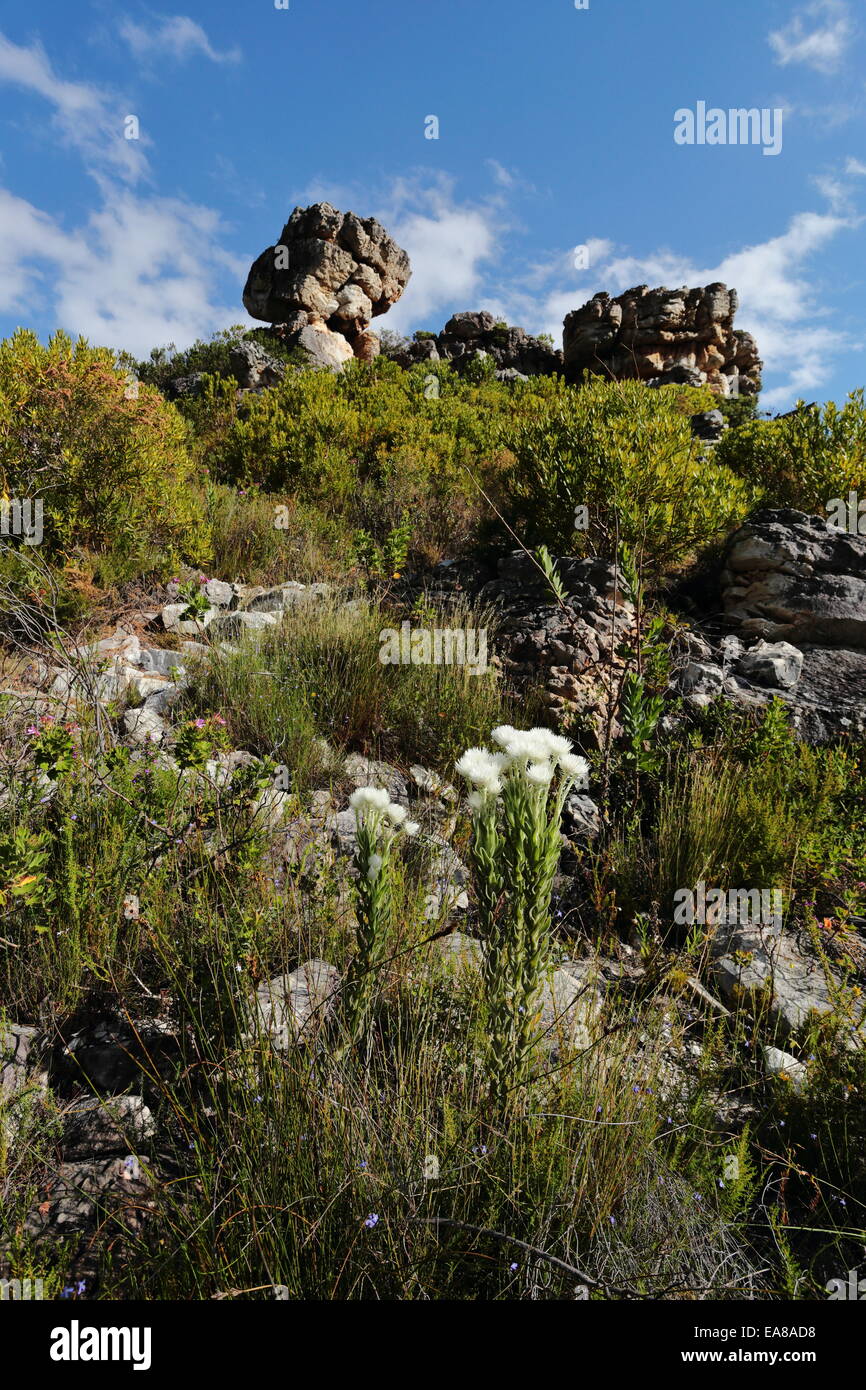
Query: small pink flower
x=199, y=723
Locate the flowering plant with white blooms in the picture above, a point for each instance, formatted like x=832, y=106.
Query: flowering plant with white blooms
x=517, y=798
x=378, y=819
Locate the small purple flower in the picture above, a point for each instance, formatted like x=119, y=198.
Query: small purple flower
x=513, y=1266
x=371, y=1220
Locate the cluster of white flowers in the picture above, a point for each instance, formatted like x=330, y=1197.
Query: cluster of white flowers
x=377, y=801
x=534, y=753
x=483, y=769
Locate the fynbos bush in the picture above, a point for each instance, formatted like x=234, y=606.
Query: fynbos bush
x=625, y=452
x=377, y=819
x=112, y=470
x=801, y=459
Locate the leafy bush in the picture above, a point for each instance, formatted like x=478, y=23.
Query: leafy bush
x=802, y=460
x=166, y=363
x=625, y=451
x=370, y=446
x=113, y=472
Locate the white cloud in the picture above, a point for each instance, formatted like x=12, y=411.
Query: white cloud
x=87, y=119
x=177, y=37
x=818, y=36
x=142, y=270
x=856, y=167
x=138, y=274
x=148, y=275
x=448, y=245
x=28, y=236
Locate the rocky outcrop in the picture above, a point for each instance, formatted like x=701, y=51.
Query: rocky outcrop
x=663, y=337
x=752, y=964
x=469, y=336
x=793, y=600
x=249, y=365
x=569, y=646
x=795, y=578
x=324, y=281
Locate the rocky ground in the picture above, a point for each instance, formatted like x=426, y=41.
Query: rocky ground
x=788, y=626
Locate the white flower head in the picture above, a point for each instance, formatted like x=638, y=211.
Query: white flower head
x=411, y=827
x=396, y=814
x=374, y=864
x=555, y=746
x=575, y=768
x=369, y=799
x=481, y=768
x=476, y=800
x=540, y=774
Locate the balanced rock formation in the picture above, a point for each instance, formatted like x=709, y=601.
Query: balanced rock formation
x=470, y=335
x=663, y=336
x=327, y=277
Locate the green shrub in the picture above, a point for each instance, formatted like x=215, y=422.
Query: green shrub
x=625, y=451
x=367, y=445
x=166, y=363
x=803, y=460
x=113, y=472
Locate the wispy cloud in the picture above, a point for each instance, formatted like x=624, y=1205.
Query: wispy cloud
x=137, y=274
x=142, y=270
x=175, y=36
x=87, y=118
x=819, y=36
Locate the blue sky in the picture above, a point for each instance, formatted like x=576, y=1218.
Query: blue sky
x=556, y=129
